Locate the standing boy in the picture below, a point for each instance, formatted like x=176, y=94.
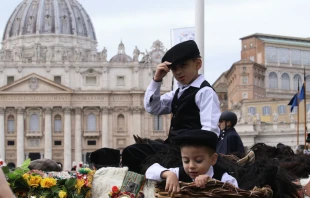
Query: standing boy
x=194, y=105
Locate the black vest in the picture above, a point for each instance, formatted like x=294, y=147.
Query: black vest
x=185, y=113
x=218, y=173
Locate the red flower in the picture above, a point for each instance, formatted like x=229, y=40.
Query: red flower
x=115, y=189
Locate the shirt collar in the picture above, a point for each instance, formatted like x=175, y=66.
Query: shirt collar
x=196, y=83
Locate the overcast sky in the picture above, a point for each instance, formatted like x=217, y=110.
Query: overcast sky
x=141, y=22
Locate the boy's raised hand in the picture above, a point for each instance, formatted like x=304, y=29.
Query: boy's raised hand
x=172, y=181
x=161, y=71
x=201, y=181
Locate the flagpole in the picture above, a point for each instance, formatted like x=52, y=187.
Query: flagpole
x=298, y=114
x=305, y=105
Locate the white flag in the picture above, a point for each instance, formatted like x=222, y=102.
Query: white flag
x=182, y=34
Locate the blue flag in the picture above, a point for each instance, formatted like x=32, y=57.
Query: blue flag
x=294, y=102
x=302, y=93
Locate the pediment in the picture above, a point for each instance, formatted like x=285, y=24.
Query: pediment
x=35, y=83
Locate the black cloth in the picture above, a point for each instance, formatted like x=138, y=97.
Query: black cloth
x=105, y=157
x=181, y=52
x=230, y=143
x=217, y=174
x=185, y=113
x=134, y=155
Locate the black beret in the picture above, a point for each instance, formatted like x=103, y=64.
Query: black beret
x=197, y=137
x=181, y=52
x=105, y=157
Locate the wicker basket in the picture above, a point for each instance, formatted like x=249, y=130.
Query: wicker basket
x=213, y=188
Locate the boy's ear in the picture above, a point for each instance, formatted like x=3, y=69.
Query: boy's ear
x=198, y=63
x=214, y=159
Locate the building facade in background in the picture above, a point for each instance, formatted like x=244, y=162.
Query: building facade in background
x=60, y=98
x=261, y=84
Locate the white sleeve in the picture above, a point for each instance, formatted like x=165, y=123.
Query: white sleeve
x=154, y=172
x=156, y=104
x=229, y=179
x=208, y=103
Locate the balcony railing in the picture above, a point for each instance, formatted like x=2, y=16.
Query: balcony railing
x=30, y=133
x=91, y=134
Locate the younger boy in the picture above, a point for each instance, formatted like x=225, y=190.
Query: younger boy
x=199, y=162
x=229, y=140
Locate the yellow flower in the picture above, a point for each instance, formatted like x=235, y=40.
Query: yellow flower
x=88, y=194
x=34, y=180
x=26, y=176
x=48, y=182
x=79, y=184
x=62, y=194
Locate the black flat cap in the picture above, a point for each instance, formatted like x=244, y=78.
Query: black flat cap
x=105, y=157
x=197, y=137
x=181, y=52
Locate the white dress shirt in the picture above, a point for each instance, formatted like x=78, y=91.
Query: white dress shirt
x=154, y=172
x=206, y=100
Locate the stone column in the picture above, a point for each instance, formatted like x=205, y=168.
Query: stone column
x=78, y=135
x=199, y=28
x=67, y=139
x=20, y=137
x=48, y=133
x=105, y=127
x=136, y=128
x=2, y=135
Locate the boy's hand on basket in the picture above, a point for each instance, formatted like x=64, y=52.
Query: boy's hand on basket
x=172, y=182
x=201, y=181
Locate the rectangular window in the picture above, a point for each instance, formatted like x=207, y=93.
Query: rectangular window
x=252, y=58
x=266, y=110
x=252, y=110
x=120, y=80
x=294, y=109
x=57, y=79
x=244, y=95
x=244, y=79
x=281, y=109
x=57, y=127
x=158, y=123
x=11, y=126
x=9, y=80
x=57, y=143
x=11, y=143
x=91, y=80
x=91, y=142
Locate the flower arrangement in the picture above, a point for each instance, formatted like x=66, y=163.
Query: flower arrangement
x=37, y=184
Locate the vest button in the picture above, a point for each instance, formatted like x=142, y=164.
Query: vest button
x=171, y=128
x=176, y=106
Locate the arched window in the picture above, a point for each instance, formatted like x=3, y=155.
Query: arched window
x=57, y=124
x=296, y=79
x=285, y=81
x=11, y=124
x=91, y=122
x=273, y=80
x=308, y=83
x=34, y=122
x=158, y=123
x=121, y=122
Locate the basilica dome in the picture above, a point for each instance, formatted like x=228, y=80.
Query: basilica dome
x=121, y=56
x=53, y=17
